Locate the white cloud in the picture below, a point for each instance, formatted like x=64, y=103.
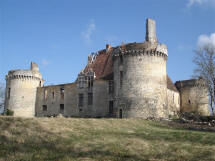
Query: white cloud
x=192, y=2
x=205, y=40
x=199, y=2
x=45, y=62
x=87, y=34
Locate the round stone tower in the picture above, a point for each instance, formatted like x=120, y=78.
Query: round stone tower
x=140, y=77
x=21, y=89
x=194, y=96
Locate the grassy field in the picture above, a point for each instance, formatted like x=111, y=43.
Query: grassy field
x=65, y=139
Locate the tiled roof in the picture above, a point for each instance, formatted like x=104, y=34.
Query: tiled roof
x=102, y=65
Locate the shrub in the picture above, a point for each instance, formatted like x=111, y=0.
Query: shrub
x=9, y=112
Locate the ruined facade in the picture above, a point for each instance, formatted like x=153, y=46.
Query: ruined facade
x=126, y=81
x=194, y=96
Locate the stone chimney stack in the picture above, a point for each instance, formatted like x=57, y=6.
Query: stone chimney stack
x=151, y=31
x=34, y=67
x=90, y=59
x=108, y=46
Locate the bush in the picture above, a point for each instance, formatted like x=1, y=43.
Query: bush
x=9, y=112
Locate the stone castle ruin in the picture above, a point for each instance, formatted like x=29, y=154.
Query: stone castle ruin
x=127, y=81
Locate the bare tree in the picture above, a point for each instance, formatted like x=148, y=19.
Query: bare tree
x=205, y=67
x=2, y=95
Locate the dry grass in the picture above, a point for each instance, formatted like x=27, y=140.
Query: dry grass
x=65, y=139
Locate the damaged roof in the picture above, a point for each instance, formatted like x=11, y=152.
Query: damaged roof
x=102, y=65
x=138, y=46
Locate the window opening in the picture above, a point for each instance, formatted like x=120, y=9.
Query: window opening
x=121, y=60
x=62, y=92
x=8, y=93
x=121, y=78
x=110, y=107
x=90, y=98
x=120, y=113
x=81, y=80
x=90, y=81
x=80, y=100
x=189, y=101
x=45, y=108
x=111, y=87
x=46, y=94
x=62, y=108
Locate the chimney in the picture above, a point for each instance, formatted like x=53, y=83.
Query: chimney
x=90, y=59
x=108, y=46
x=151, y=31
x=34, y=67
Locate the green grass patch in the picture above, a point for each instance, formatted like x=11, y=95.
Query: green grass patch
x=66, y=139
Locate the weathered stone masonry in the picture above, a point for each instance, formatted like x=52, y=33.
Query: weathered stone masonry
x=126, y=81
x=21, y=90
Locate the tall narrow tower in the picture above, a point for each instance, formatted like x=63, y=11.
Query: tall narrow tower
x=21, y=89
x=140, y=77
x=151, y=31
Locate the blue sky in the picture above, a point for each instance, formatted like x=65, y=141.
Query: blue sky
x=59, y=34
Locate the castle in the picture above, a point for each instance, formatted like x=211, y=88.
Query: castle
x=127, y=81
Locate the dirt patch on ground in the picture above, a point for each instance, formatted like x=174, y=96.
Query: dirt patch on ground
x=192, y=122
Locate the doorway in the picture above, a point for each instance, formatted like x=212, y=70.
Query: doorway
x=120, y=113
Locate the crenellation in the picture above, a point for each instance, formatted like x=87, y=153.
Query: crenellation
x=21, y=77
x=141, y=52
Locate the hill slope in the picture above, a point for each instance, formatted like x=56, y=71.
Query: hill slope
x=64, y=139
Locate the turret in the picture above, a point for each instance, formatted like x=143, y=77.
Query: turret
x=140, y=77
x=193, y=96
x=21, y=88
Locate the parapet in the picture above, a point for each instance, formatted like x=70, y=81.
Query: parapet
x=23, y=74
x=162, y=48
x=145, y=48
x=33, y=73
x=189, y=83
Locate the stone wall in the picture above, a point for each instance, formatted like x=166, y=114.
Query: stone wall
x=144, y=85
x=173, y=101
x=193, y=96
x=102, y=98
x=51, y=97
x=21, y=88
x=99, y=107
